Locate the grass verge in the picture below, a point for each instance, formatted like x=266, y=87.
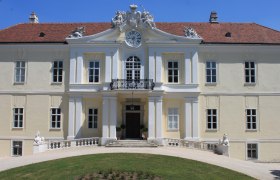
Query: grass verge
x=165, y=167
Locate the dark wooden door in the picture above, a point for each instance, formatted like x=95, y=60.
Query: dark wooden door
x=133, y=125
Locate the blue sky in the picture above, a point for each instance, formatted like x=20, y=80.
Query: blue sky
x=264, y=12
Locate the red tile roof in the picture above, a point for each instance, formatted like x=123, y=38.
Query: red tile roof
x=210, y=32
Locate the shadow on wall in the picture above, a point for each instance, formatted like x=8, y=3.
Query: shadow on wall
x=276, y=173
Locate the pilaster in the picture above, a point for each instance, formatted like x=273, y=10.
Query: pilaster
x=71, y=119
x=72, y=68
x=113, y=117
x=105, y=120
x=108, y=70
x=79, y=116
x=188, y=118
x=80, y=68
x=188, y=68
x=151, y=120
x=158, y=68
x=151, y=64
x=159, y=127
x=195, y=119
x=195, y=67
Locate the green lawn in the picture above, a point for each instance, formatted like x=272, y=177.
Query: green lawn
x=166, y=167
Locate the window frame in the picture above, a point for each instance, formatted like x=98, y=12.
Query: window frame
x=173, y=121
x=18, y=114
x=57, y=73
x=94, y=118
x=134, y=70
x=211, y=122
x=94, y=69
x=12, y=148
x=249, y=69
x=251, y=121
x=20, y=68
x=173, y=70
x=256, y=149
x=56, y=115
x=211, y=82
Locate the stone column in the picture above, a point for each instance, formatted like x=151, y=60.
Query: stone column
x=195, y=68
x=188, y=68
x=71, y=119
x=105, y=121
x=188, y=119
x=113, y=117
x=80, y=68
x=159, y=127
x=151, y=120
x=79, y=116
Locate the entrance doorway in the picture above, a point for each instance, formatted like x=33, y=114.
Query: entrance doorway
x=133, y=125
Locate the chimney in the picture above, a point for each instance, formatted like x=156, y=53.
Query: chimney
x=213, y=17
x=33, y=18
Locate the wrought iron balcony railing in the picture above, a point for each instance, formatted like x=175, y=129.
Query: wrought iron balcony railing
x=132, y=84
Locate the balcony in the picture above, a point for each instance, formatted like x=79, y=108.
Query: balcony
x=132, y=84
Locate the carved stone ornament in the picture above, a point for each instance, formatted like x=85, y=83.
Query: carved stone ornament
x=133, y=18
x=224, y=141
x=38, y=139
x=77, y=33
x=191, y=33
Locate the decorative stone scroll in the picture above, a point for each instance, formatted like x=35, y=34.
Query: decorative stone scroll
x=77, y=33
x=133, y=18
x=191, y=33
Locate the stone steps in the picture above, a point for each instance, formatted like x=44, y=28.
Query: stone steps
x=131, y=143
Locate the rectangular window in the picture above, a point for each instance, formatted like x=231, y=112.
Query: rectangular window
x=251, y=119
x=173, y=119
x=94, y=71
x=16, y=148
x=211, y=72
x=92, y=118
x=57, y=71
x=173, y=72
x=252, y=151
x=250, y=72
x=55, y=118
x=211, y=118
x=18, y=118
x=20, y=72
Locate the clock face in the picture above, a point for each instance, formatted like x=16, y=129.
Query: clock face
x=133, y=38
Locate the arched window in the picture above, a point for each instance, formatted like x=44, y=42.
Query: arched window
x=133, y=68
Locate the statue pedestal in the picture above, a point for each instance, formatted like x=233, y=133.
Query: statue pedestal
x=38, y=148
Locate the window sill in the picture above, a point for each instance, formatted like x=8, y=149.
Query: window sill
x=17, y=128
x=211, y=84
x=211, y=130
x=19, y=83
x=55, y=129
x=56, y=83
x=251, y=130
x=172, y=130
x=249, y=84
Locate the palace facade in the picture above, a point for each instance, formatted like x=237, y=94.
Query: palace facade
x=189, y=81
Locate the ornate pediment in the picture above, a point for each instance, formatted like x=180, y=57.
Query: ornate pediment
x=191, y=33
x=133, y=18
